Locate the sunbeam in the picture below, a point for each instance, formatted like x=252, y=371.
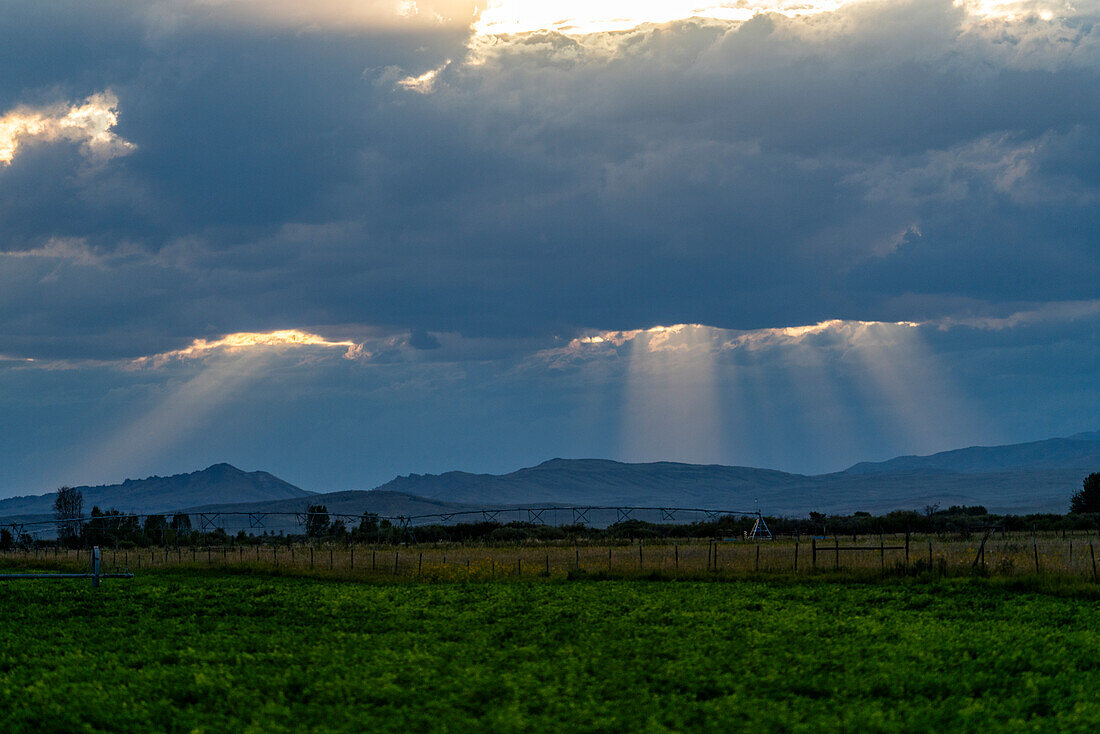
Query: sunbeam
x=672, y=408
x=183, y=410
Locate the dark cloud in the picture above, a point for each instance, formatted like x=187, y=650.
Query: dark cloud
x=776, y=171
x=890, y=161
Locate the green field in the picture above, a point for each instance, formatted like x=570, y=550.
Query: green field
x=214, y=652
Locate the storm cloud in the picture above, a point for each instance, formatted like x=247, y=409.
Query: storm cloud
x=398, y=176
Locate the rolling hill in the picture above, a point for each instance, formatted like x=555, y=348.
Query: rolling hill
x=220, y=482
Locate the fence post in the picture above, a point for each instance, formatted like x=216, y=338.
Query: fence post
x=419, y=563
x=836, y=540
x=813, y=549
x=676, y=550
x=1035, y=547
x=757, y=566
x=929, y=555
x=609, y=559
x=1093, y=554
x=639, y=554
x=907, y=547
x=311, y=558
x=547, y=564
x=882, y=554
x=395, y=553
x=353, y=558
x=331, y=565
x=796, y=554
x=95, y=567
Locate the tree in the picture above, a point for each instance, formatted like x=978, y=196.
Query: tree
x=1087, y=499
x=156, y=529
x=68, y=510
x=317, y=521
x=819, y=517
x=338, y=530
x=112, y=526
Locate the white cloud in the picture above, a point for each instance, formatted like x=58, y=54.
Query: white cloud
x=91, y=124
x=587, y=17
x=250, y=341
x=1062, y=312
x=72, y=249
x=424, y=83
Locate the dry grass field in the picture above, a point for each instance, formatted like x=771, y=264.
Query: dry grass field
x=1049, y=554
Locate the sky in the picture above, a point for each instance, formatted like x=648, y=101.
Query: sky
x=345, y=240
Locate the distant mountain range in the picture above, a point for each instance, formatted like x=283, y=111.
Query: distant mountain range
x=1030, y=477
x=1021, y=478
x=1076, y=452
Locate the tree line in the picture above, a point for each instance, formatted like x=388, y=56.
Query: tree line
x=114, y=528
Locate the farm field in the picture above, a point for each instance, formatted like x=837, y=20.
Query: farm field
x=215, y=650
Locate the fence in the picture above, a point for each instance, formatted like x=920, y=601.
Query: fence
x=1044, y=554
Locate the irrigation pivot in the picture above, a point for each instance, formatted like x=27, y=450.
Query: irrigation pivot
x=297, y=521
x=95, y=575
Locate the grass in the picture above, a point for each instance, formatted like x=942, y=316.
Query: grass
x=186, y=651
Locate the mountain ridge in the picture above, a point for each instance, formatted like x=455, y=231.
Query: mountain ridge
x=1036, y=476
x=1051, y=453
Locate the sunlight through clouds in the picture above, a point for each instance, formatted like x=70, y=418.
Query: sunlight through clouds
x=705, y=394
x=182, y=409
x=671, y=407
x=248, y=341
